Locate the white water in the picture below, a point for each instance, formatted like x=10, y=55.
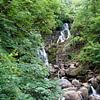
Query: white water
x=62, y=36
x=63, y=98
x=94, y=92
x=43, y=56
x=66, y=28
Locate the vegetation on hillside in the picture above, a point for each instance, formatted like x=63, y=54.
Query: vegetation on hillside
x=86, y=28
x=22, y=73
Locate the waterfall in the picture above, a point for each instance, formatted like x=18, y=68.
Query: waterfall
x=94, y=93
x=43, y=55
x=66, y=28
x=62, y=36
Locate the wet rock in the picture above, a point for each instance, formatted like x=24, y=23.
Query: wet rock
x=76, y=83
x=91, y=97
x=98, y=89
x=76, y=64
x=84, y=93
x=62, y=72
x=72, y=95
x=98, y=78
x=70, y=89
x=90, y=74
x=64, y=83
x=73, y=71
x=69, y=70
x=97, y=98
x=56, y=66
x=53, y=69
x=86, y=85
x=93, y=82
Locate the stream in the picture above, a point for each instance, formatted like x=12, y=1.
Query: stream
x=73, y=88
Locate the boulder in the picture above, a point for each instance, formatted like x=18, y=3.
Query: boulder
x=91, y=97
x=56, y=66
x=84, y=92
x=93, y=82
x=72, y=95
x=72, y=66
x=62, y=72
x=73, y=71
x=76, y=83
x=98, y=78
x=70, y=89
x=64, y=83
x=98, y=89
x=86, y=85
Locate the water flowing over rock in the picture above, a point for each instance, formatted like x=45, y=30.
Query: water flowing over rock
x=94, y=93
x=43, y=56
x=93, y=82
x=61, y=37
x=63, y=33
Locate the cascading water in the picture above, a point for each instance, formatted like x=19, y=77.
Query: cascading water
x=62, y=36
x=43, y=56
x=66, y=28
x=94, y=93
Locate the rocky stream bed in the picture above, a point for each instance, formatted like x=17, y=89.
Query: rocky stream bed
x=75, y=87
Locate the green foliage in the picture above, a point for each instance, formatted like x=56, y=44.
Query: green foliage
x=91, y=54
x=39, y=14
x=78, y=40
x=22, y=73
x=87, y=24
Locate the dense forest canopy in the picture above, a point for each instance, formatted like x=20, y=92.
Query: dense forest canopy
x=23, y=25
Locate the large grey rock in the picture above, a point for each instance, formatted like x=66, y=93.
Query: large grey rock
x=72, y=95
x=93, y=82
x=70, y=89
x=72, y=70
x=76, y=83
x=91, y=97
x=64, y=83
x=84, y=92
x=98, y=78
